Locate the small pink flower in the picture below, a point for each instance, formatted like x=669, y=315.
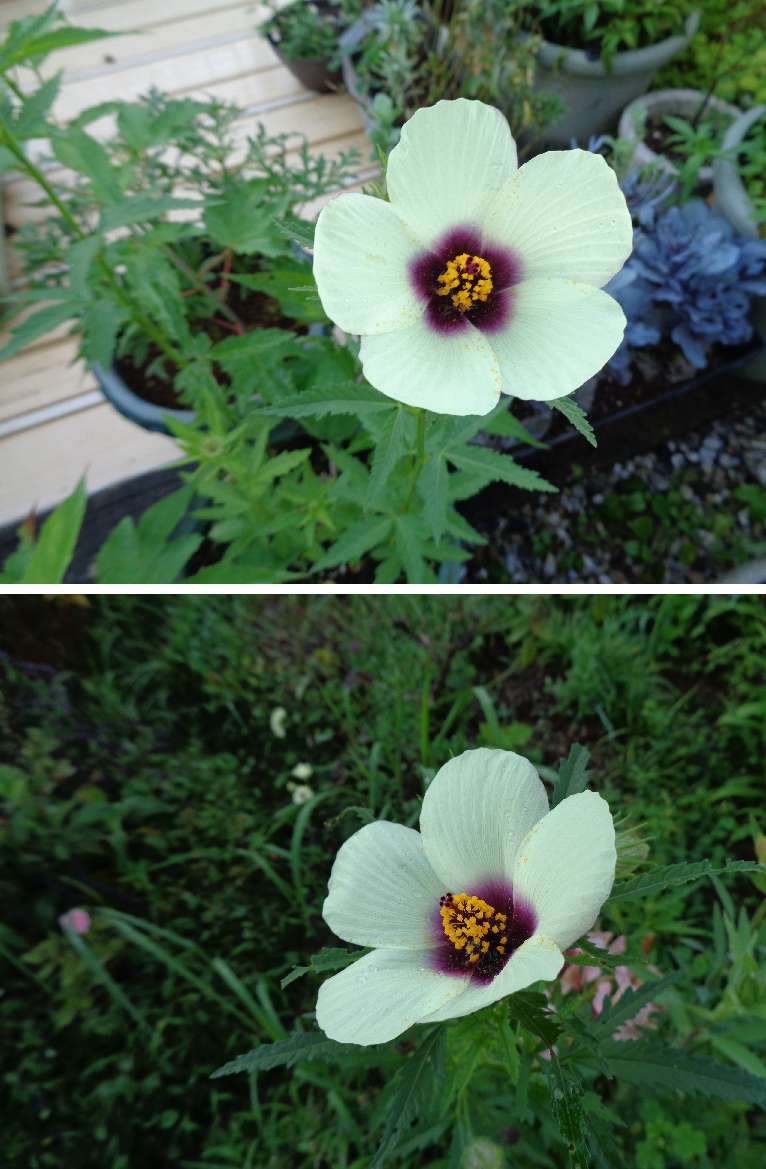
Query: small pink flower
x=78, y=919
x=629, y=1029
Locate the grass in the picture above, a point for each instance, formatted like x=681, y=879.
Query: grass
x=142, y=780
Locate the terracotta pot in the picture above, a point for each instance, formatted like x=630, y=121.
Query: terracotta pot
x=593, y=98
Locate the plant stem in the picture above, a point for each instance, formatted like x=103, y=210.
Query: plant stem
x=202, y=287
x=35, y=173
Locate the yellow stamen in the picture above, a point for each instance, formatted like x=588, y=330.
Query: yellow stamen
x=471, y=276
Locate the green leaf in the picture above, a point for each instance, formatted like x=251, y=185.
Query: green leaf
x=409, y=531
x=356, y=540
x=630, y=1004
x=391, y=445
x=343, y=398
x=101, y=321
x=40, y=323
x=298, y=1048
x=240, y=574
x=507, y=425
x=492, y=466
x=573, y=776
x=529, y=1008
x=510, y=1049
x=74, y=148
x=142, y=554
x=433, y=488
x=295, y=228
x=141, y=208
x=55, y=545
x=576, y=416
x=242, y=219
x=416, y=1085
x=80, y=256
x=656, y=879
x=283, y=286
x=581, y=1031
x=651, y=1065
x=329, y=958
x=566, y=1106
x=251, y=345
x=30, y=120
x=48, y=42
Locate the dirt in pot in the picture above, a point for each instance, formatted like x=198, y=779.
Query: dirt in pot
x=256, y=310
x=657, y=132
x=655, y=370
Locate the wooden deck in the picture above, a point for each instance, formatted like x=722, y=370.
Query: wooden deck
x=54, y=423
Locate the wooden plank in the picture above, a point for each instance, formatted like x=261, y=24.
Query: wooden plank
x=41, y=466
x=40, y=376
x=122, y=15
x=111, y=56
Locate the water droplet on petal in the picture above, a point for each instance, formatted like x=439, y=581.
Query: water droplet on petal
x=361, y=978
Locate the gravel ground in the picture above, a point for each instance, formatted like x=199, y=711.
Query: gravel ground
x=608, y=526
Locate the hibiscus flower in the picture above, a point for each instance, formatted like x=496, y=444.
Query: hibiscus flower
x=480, y=903
x=478, y=276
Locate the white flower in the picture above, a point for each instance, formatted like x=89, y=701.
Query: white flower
x=477, y=905
x=302, y=793
x=302, y=771
x=277, y=722
x=477, y=276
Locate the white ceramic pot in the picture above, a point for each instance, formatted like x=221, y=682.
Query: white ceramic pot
x=682, y=103
x=593, y=97
x=731, y=197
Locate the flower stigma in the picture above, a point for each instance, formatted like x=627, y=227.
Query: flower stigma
x=471, y=276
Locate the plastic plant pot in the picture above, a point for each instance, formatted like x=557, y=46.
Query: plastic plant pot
x=135, y=409
x=312, y=72
x=681, y=103
x=594, y=97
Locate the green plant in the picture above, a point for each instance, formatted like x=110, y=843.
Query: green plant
x=698, y=143
x=752, y=167
x=308, y=31
x=727, y=55
x=417, y=54
x=606, y=27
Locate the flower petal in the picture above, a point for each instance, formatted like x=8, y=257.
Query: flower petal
x=476, y=812
x=560, y=333
x=565, y=867
x=361, y=256
x=381, y=995
x=538, y=957
x=451, y=161
x=382, y=889
x=564, y=214
x=447, y=373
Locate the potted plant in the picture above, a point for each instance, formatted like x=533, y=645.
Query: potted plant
x=599, y=56
x=740, y=178
x=681, y=130
x=166, y=292
x=304, y=35
x=404, y=54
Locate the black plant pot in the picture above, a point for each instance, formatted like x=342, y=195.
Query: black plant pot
x=314, y=73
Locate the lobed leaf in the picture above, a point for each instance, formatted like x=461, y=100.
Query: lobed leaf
x=342, y=398
x=416, y=1084
x=574, y=414
x=297, y=1048
x=660, y=878
x=650, y=1065
x=491, y=466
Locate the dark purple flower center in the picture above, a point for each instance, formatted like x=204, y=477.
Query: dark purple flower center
x=479, y=932
x=466, y=280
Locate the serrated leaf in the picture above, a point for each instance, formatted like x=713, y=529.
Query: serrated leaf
x=141, y=208
x=573, y=776
x=30, y=120
x=389, y=449
x=630, y=1004
x=76, y=149
x=492, y=466
x=48, y=42
x=297, y=1048
x=409, y=534
x=528, y=1008
x=507, y=425
x=143, y=553
x=330, y=958
x=240, y=574
x=295, y=228
x=656, y=879
x=566, y=1105
x=510, y=1049
x=356, y=540
x=101, y=321
x=40, y=323
x=651, y=1065
x=343, y=398
x=433, y=489
x=576, y=416
x=579, y=1030
x=416, y=1084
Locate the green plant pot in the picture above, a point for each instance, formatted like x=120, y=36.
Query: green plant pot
x=135, y=409
x=594, y=98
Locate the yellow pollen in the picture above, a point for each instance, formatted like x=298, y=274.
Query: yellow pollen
x=469, y=278
x=467, y=921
